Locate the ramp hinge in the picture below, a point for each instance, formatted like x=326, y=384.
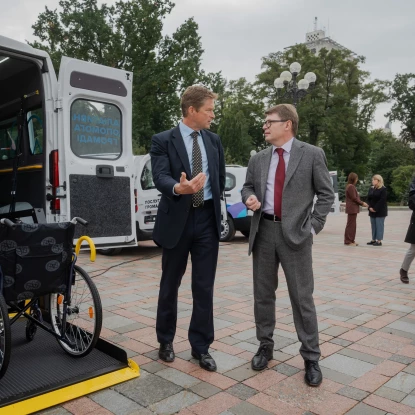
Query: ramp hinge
x=58, y=105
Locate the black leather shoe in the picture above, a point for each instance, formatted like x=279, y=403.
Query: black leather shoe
x=262, y=357
x=166, y=352
x=404, y=276
x=377, y=243
x=206, y=361
x=371, y=243
x=313, y=375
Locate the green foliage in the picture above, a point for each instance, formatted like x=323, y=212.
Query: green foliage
x=341, y=181
x=387, y=155
x=363, y=187
x=337, y=113
x=234, y=133
x=401, y=179
x=403, y=109
x=128, y=36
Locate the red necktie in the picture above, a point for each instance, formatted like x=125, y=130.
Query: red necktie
x=279, y=183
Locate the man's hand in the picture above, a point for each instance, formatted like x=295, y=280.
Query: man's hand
x=372, y=210
x=252, y=203
x=365, y=204
x=189, y=187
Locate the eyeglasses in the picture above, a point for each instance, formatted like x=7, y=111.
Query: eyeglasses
x=268, y=123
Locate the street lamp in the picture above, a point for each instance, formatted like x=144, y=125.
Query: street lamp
x=287, y=85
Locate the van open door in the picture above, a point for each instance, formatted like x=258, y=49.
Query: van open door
x=91, y=172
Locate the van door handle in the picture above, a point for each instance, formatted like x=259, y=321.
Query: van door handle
x=159, y=194
x=227, y=195
x=104, y=171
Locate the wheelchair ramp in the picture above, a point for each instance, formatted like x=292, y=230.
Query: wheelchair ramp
x=41, y=374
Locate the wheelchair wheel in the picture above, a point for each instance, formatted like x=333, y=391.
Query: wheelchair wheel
x=5, y=337
x=83, y=315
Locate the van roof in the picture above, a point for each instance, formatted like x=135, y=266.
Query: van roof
x=14, y=45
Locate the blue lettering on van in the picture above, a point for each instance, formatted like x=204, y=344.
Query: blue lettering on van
x=101, y=130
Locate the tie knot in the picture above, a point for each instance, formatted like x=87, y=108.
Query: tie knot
x=194, y=134
x=280, y=151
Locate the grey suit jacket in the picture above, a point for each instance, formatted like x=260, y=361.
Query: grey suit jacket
x=307, y=175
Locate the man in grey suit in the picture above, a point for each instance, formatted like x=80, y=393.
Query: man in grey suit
x=281, y=183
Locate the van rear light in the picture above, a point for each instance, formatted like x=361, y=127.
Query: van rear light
x=55, y=203
x=135, y=200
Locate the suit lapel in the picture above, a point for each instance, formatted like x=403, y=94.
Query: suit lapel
x=296, y=154
x=265, y=163
x=181, y=151
x=210, y=153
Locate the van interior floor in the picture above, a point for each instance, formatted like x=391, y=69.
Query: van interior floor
x=41, y=374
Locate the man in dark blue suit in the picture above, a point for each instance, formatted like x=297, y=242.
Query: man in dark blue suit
x=189, y=170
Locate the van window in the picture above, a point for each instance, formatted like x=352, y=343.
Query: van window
x=147, y=177
x=8, y=139
x=35, y=129
x=230, y=182
x=96, y=130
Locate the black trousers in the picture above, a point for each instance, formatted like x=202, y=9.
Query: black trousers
x=200, y=239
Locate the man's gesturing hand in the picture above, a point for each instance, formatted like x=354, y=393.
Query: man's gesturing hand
x=252, y=203
x=189, y=187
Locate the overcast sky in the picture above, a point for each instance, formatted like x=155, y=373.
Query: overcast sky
x=236, y=34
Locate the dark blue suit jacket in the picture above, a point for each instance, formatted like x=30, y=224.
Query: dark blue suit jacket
x=168, y=160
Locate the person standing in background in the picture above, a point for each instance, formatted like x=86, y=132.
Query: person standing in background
x=410, y=237
x=353, y=204
x=378, y=209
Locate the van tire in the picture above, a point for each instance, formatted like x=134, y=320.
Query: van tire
x=245, y=233
x=109, y=251
x=227, y=230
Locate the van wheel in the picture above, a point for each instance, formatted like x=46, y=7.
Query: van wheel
x=245, y=233
x=109, y=251
x=227, y=230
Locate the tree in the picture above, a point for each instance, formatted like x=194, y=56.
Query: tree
x=401, y=178
x=386, y=156
x=403, y=109
x=337, y=113
x=234, y=132
x=128, y=36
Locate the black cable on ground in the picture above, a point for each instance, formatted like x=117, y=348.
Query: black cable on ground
x=121, y=263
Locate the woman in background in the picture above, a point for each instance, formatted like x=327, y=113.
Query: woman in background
x=353, y=204
x=378, y=209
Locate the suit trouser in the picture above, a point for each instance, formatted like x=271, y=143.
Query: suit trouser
x=200, y=239
x=409, y=257
x=350, y=231
x=269, y=251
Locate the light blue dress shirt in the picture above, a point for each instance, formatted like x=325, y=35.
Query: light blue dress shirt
x=185, y=131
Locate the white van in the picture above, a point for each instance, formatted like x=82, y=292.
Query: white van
x=70, y=139
x=238, y=216
x=147, y=198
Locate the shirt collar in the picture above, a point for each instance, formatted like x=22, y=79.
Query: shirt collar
x=185, y=130
x=286, y=147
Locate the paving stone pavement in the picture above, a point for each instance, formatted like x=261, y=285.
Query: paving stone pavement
x=366, y=322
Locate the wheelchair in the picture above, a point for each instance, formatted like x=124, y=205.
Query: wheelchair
x=40, y=281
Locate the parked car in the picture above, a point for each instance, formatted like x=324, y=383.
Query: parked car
x=238, y=216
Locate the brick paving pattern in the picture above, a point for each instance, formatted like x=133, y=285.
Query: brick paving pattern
x=366, y=323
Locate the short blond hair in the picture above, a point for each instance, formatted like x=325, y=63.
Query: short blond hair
x=286, y=112
x=195, y=96
x=379, y=178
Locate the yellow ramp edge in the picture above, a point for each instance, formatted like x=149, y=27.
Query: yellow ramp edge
x=68, y=393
